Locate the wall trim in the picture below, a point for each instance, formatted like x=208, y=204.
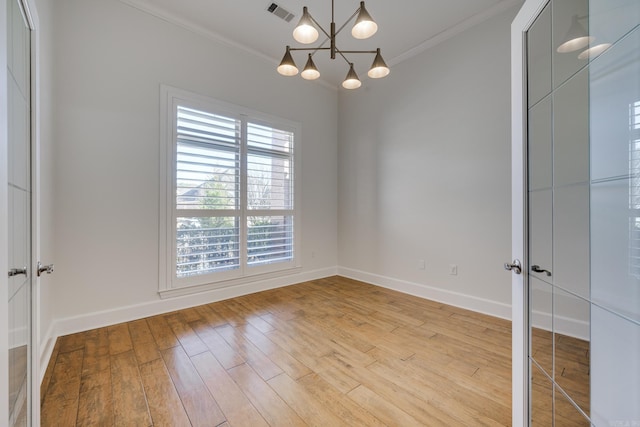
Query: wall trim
x=85, y=322
x=18, y=336
x=46, y=346
x=148, y=8
x=564, y=325
x=503, y=5
x=453, y=31
x=561, y=324
x=480, y=305
x=100, y=319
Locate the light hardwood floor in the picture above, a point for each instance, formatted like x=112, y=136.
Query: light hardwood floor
x=329, y=352
x=571, y=359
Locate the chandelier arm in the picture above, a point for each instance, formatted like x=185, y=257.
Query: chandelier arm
x=311, y=71
x=310, y=48
x=314, y=49
x=343, y=57
x=348, y=20
x=320, y=47
x=319, y=26
x=342, y=52
x=356, y=51
x=323, y=43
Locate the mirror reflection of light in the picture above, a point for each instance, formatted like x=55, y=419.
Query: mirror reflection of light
x=594, y=51
x=576, y=38
x=575, y=44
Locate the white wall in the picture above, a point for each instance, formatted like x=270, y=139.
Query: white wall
x=110, y=60
x=424, y=173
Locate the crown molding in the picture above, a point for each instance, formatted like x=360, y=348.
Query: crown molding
x=455, y=30
x=146, y=7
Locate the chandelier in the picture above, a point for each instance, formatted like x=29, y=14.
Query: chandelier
x=306, y=32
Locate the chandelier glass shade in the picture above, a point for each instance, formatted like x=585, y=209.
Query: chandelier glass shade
x=306, y=32
x=351, y=81
x=310, y=71
x=287, y=67
x=365, y=25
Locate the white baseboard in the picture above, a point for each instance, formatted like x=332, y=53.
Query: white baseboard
x=563, y=325
x=18, y=336
x=457, y=299
x=86, y=322
x=46, y=346
x=71, y=325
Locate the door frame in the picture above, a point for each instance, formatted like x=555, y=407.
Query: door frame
x=35, y=374
x=4, y=238
x=519, y=282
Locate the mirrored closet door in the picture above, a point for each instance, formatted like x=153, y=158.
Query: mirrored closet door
x=19, y=214
x=583, y=209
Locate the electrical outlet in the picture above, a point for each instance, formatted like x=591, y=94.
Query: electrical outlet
x=453, y=269
x=421, y=264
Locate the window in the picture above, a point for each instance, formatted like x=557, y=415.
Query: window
x=634, y=189
x=228, y=193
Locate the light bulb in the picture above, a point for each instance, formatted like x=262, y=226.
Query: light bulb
x=287, y=67
x=365, y=26
x=379, y=68
x=351, y=81
x=305, y=32
x=310, y=71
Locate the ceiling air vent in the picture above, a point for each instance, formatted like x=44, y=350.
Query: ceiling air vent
x=280, y=12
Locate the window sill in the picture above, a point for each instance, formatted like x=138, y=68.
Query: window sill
x=195, y=289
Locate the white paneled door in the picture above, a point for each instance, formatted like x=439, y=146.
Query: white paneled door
x=19, y=295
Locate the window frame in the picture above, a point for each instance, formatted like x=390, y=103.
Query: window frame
x=169, y=282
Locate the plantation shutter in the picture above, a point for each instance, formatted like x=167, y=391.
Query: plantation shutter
x=207, y=183
x=270, y=213
x=234, y=194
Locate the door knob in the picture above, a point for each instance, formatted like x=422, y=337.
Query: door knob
x=537, y=269
x=17, y=271
x=515, y=266
x=44, y=268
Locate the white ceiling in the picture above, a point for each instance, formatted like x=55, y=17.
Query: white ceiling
x=405, y=27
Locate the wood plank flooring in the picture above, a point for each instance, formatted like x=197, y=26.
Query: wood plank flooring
x=571, y=359
x=329, y=352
